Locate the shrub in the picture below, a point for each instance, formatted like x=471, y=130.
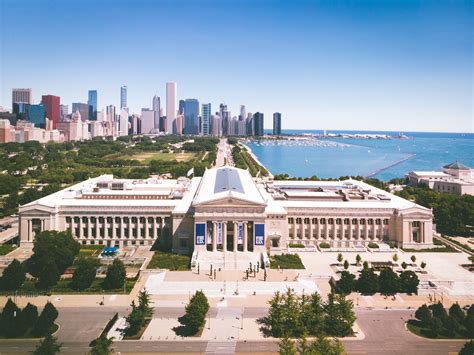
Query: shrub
x=115, y=277
x=13, y=276
x=373, y=245
x=324, y=245
x=286, y=261
x=46, y=320
x=296, y=245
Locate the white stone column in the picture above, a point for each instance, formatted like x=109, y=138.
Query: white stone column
x=147, y=232
x=224, y=236
x=80, y=228
x=245, y=237
x=350, y=228
x=234, y=241
x=30, y=230
x=89, y=228
x=310, y=228
x=97, y=232
x=130, y=233
x=214, y=236
x=114, y=235
x=122, y=229
x=294, y=228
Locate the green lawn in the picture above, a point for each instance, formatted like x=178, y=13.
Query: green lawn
x=90, y=250
x=62, y=287
x=286, y=261
x=161, y=260
x=5, y=249
x=146, y=157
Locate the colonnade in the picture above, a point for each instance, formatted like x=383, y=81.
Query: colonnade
x=225, y=236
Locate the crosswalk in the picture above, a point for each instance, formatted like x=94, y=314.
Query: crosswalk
x=221, y=347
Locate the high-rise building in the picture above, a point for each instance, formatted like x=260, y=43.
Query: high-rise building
x=51, y=104
x=147, y=121
x=156, y=109
x=123, y=123
x=258, y=123
x=191, y=116
x=63, y=111
x=206, y=119
x=277, y=123
x=92, y=102
x=181, y=107
x=110, y=127
x=171, y=89
x=21, y=96
x=37, y=114
x=123, y=96
x=216, y=125
x=178, y=125
x=225, y=119
x=20, y=110
x=82, y=108
x=243, y=113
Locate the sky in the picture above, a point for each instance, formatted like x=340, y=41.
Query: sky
x=349, y=65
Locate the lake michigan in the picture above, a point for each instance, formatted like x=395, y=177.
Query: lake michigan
x=381, y=158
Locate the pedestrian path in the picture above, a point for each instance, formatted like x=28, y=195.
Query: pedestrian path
x=221, y=347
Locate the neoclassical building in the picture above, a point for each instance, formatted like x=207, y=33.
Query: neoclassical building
x=228, y=210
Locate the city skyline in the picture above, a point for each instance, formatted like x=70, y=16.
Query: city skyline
x=403, y=66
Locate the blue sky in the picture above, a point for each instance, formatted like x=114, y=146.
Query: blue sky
x=378, y=65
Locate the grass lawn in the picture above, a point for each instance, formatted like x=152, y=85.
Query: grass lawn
x=162, y=260
x=90, y=250
x=62, y=287
x=146, y=157
x=5, y=249
x=414, y=327
x=286, y=261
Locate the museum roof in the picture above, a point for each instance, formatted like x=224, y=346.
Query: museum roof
x=456, y=166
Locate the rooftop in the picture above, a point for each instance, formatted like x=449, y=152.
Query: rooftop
x=456, y=166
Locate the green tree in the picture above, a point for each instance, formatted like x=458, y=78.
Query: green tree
x=48, y=275
x=467, y=349
x=102, y=346
x=439, y=311
x=84, y=274
x=46, y=320
x=423, y=314
x=135, y=321
x=395, y=258
x=13, y=276
x=286, y=347
x=435, y=327
x=340, y=315
x=358, y=259
x=10, y=320
x=196, y=311
x=48, y=346
x=365, y=265
x=315, y=316
x=28, y=317
x=469, y=324
x=144, y=303
x=368, y=281
x=303, y=348
x=346, y=284
x=456, y=312
x=423, y=265
x=413, y=258
x=325, y=346
x=409, y=282
x=389, y=283
x=404, y=265
x=339, y=258
x=346, y=265
x=115, y=277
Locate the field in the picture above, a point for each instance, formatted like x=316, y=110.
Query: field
x=146, y=157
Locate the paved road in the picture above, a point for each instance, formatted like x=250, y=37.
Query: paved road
x=224, y=153
x=384, y=330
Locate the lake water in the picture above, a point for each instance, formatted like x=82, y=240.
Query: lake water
x=380, y=158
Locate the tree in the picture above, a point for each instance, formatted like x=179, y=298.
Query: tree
x=439, y=311
x=467, y=349
x=303, y=347
x=135, y=320
x=13, y=276
x=368, y=281
x=286, y=347
x=358, y=259
x=315, y=316
x=46, y=320
x=340, y=315
x=469, y=324
x=325, y=346
x=144, y=303
x=404, y=265
x=346, y=265
x=115, y=277
x=435, y=327
x=48, y=346
x=365, y=265
x=389, y=282
x=49, y=274
x=28, y=317
x=340, y=258
x=10, y=320
x=413, y=258
x=196, y=311
x=102, y=346
x=409, y=282
x=395, y=258
x=423, y=265
x=456, y=312
x=423, y=314
x=346, y=284
x=84, y=274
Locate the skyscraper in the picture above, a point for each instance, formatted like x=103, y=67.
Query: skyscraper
x=181, y=106
x=82, y=108
x=123, y=123
x=170, y=106
x=258, y=123
x=51, y=104
x=22, y=96
x=64, y=111
x=123, y=96
x=92, y=102
x=147, y=121
x=206, y=119
x=277, y=123
x=191, y=116
x=243, y=113
x=156, y=109
x=37, y=115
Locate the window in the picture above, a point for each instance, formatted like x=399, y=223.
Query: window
x=323, y=221
x=134, y=219
x=150, y=219
x=117, y=219
x=354, y=221
x=362, y=222
x=101, y=219
x=109, y=219
x=338, y=221
x=315, y=221
x=298, y=220
x=76, y=219
x=378, y=221
x=416, y=224
x=142, y=219
x=346, y=220
x=370, y=221
x=385, y=221
x=330, y=220
x=68, y=219
x=306, y=221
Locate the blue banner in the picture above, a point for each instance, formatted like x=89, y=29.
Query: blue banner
x=200, y=233
x=219, y=233
x=259, y=234
x=240, y=233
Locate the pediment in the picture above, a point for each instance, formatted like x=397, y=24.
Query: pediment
x=230, y=201
x=36, y=209
x=416, y=212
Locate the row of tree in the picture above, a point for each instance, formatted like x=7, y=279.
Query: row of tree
x=319, y=346
x=139, y=314
x=436, y=321
x=195, y=315
x=53, y=253
x=293, y=316
x=16, y=322
x=387, y=282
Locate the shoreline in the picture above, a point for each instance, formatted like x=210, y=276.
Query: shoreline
x=256, y=159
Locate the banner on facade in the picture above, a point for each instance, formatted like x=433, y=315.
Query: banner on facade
x=200, y=234
x=219, y=233
x=240, y=233
x=259, y=233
